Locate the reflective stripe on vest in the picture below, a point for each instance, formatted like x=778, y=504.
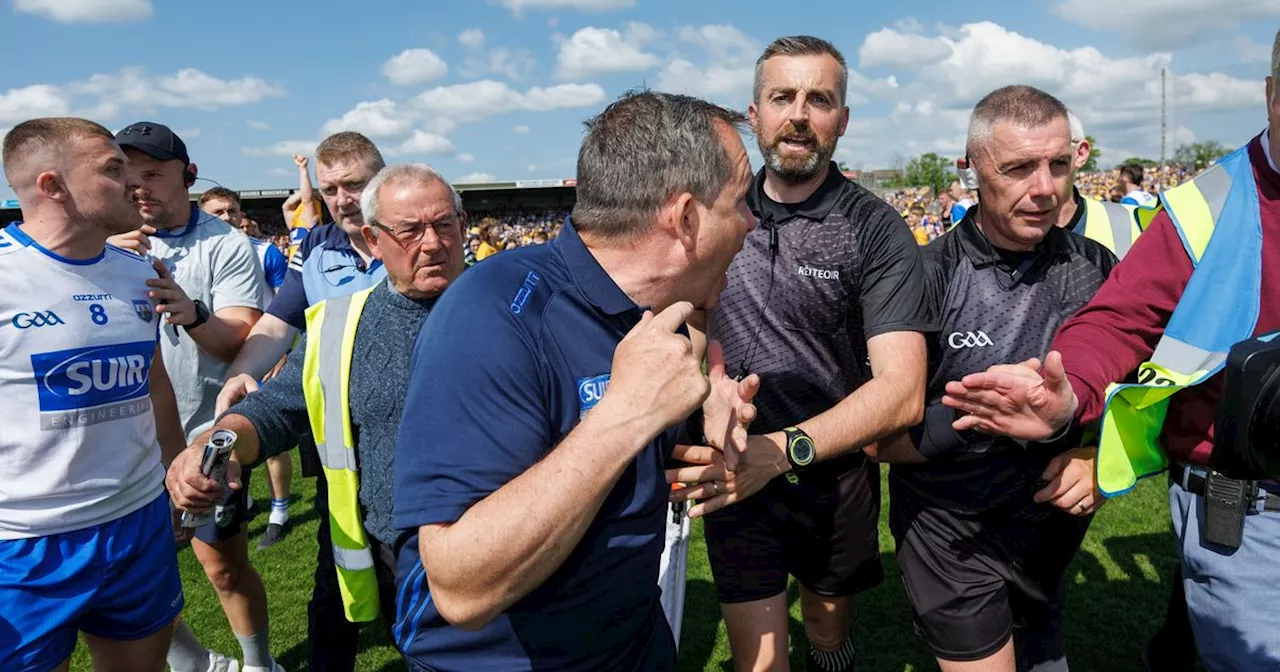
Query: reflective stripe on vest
x=326, y=374
x=1218, y=218
x=1112, y=225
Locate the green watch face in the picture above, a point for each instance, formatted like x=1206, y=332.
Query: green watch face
x=802, y=450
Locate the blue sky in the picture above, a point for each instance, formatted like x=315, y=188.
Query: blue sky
x=499, y=88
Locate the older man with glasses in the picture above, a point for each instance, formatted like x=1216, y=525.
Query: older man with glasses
x=356, y=346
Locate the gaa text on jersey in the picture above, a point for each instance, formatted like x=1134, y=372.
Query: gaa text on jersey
x=968, y=339
x=820, y=273
x=36, y=319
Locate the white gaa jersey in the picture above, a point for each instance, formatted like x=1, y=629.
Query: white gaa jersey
x=78, y=445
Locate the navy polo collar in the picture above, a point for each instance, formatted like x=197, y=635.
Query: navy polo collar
x=589, y=275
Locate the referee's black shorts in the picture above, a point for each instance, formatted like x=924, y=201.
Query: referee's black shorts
x=973, y=581
x=823, y=531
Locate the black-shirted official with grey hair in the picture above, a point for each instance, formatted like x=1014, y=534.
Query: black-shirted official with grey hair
x=826, y=303
x=413, y=223
x=986, y=526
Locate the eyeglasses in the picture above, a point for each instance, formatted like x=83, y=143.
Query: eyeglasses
x=409, y=235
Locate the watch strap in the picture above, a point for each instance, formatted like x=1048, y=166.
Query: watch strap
x=202, y=315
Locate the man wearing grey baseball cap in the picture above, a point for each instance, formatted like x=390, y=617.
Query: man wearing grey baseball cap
x=211, y=292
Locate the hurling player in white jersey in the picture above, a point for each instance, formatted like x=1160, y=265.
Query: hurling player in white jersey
x=89, y=415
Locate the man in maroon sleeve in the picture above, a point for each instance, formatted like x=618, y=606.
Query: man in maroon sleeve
x=1232, y=594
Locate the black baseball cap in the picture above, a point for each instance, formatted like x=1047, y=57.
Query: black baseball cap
x=156, y=140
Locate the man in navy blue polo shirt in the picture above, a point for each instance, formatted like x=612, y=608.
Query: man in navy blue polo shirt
x=529, y=469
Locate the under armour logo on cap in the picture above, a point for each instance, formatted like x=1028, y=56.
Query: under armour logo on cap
x=141, y=129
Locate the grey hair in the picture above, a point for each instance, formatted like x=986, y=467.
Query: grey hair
x=1275, y=63
x=405, y=172
x=801, y=45
x=1077, y=128
x=643, y=150
x=1022, y=106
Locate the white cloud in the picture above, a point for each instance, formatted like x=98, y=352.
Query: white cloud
x=1252, y=52
x=101, y=112
x=894, y=48
x=518, y=7
x=1216, y=91
x=988, y=56
x=440, y=125
x=515, y=64
x=422, y=142
x=283, y=148
x=1164, y=24
x=1116, y=97
x=414, y=66
x=466, y=158
x=201, y=90
x=520, y=130
x=472, y=38
x=475, y=177
x=189, y=87
x=187, y=133
x=376, y=119
x=257, y=125
x=486, y=98
x=41, y=100
x=1183, y=136
x=909, y=25
x=94, y=11
x=533, y=168
x=282, y=172
x=591, y=51
x=728, y=71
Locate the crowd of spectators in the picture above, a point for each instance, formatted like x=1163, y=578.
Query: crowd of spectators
x=495, y=231
x=929, y=214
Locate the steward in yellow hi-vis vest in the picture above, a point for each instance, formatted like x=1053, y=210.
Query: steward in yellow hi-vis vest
x=326, y=374
x=1113, y=225
x=1218, y=309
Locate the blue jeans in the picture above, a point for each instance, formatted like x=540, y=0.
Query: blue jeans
x=1233, y=597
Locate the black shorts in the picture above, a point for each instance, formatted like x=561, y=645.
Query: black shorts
x=230, y=516
x=823, y=531
x=973, y=581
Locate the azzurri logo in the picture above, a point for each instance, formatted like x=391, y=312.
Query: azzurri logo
x=86, y=386
x=591, y=390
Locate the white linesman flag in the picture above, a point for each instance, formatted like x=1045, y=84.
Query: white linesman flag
x=673, y=568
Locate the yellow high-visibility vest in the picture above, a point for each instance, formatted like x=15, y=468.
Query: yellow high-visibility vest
x=1115, y=226
x=326, y=375
x=1218, y=217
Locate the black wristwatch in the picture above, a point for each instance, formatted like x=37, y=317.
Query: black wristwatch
x=800, y=449
x=202, y=315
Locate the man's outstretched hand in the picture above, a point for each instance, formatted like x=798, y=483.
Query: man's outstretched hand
x=728, y=411
x=1023, y=401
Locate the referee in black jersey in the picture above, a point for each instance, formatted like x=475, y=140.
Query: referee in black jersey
x=986, y=526
x=826, y=303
